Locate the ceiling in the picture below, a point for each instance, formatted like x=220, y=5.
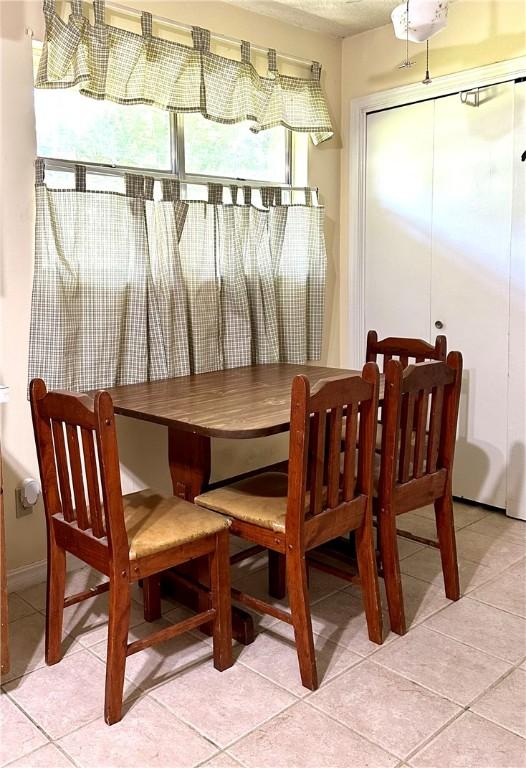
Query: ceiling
x=339, y=18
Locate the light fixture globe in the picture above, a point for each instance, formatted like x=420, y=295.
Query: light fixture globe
x=426, y=18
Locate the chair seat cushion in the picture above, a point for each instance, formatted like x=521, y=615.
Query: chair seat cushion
x=261, y=500
x=156, y=523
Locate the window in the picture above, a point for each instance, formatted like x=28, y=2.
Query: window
x=73, y=128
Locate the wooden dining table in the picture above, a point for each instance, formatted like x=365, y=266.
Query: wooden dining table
x=238, y=403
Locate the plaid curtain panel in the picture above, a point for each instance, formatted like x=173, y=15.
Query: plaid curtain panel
x=127, y=68
x=127, y=289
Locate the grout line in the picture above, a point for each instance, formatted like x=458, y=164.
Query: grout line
x=247, y=733
x=352, y=730
x=421, y=747
x=423, y=741
x=496, y=683
x=510, y=662
x=470, y=596
x=309, y=693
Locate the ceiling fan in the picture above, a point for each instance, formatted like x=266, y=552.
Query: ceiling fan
x=419, y=20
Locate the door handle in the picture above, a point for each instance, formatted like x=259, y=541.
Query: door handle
x=439, y=324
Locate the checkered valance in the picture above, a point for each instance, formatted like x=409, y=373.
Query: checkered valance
x=128, y=288
x=128, y=68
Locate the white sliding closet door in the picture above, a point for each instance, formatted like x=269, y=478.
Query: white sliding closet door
x=439, y=209
x=516, y=506
x=470, y=274
x=398, y=220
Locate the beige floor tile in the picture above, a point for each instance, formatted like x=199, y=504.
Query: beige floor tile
x=245, y=568
x=386, y=708
x=147, y=735
x=256, y=584
x=506, y=592
x=471, y=742
x=162, y=662
x=66, y=695
x=427, y=565
x=168, y=602
x=505, y=704
x=76, y=581
x=407, y=547
x=488, y=550
x=420, y=599
x=222, y=705
x=464, y=514
x=27, y=645
x=320, y=585
x=17, y=608
x=303, y=737
x=341, y=618
x=449, y=668
x=19, y=734
x=273, y=654
x=45, y=757
x=222, y=760
x=88, y=621
x=484, y=627
x=518, y=569
x=420, y=526
x=499, y=526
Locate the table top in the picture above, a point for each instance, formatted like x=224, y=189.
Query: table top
x=237, y=403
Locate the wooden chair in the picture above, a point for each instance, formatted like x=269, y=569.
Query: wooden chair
x=126, y=538
x=416, y=465
x=276, y=511
x=405, y=349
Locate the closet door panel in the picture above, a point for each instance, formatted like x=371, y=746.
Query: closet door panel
x=398, y=220
x=472, y=203
x=516, y=506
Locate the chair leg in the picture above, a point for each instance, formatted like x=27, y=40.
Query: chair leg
x=56, y=589
x=391, y=570
x=366, y=556
x=119, y=620
x=151, y=589
x=301, y=620
x=277, y=576
x=448, y=547
x=221, y=601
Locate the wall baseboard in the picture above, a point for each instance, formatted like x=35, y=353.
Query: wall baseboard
x=29, y=575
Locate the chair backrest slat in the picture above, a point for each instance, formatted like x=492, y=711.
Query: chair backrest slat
x=92, y=483
x=77, y=476
x=315, y=443
x=421, y=409
x=68, y=512
x=406, y=436
x=62, y=422
x=435, y=420
x=349, y=454
x=333, y=469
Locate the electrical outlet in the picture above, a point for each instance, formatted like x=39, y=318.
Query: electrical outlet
x=21, y=511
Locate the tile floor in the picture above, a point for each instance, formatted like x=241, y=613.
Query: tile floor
x=450, y=694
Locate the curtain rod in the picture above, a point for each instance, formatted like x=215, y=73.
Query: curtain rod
x=57, y=163
x=215, y=36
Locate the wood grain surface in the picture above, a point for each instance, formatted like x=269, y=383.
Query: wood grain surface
x=238, y=403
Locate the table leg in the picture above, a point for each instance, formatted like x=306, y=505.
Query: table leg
x=189, y=458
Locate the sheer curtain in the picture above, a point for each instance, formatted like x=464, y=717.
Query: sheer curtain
x=128, y=289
